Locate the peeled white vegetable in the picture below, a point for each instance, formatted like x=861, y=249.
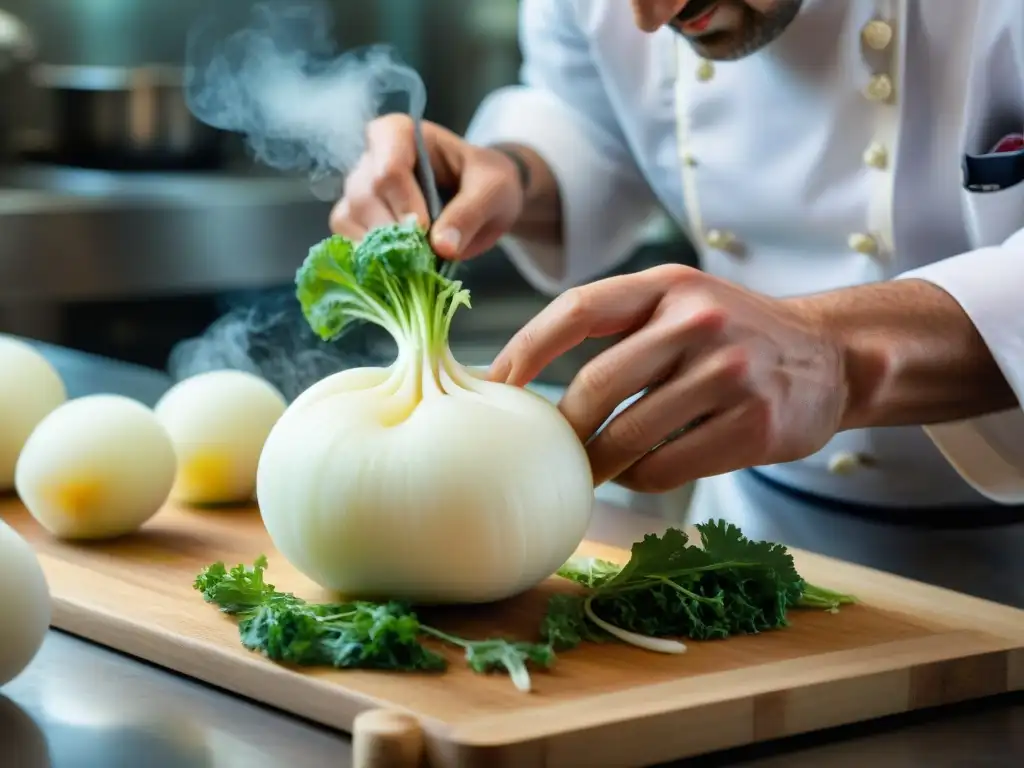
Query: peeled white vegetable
x=218, y=422
x=29, y=389
x=420, y=481
x=24, y=604
x=97, y=467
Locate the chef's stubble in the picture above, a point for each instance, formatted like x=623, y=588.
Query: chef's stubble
x=757, y=30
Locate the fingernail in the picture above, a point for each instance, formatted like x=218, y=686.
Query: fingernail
x=410, y=218
x=448, y=237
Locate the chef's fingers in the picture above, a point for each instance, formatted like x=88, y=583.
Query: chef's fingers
x=370, y=212
x=668, y=412
x=382, y=181
x=361, y=208
x=612, y=377
x=681, y=328
x=484, y=240
x=723, y=443
x=486, y=206
x=603, y=308
x=391, y=149
x=342, y=221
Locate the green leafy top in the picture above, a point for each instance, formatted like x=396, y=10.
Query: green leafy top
x=391, y=278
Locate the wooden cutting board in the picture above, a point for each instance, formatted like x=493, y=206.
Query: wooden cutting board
x=906, y=646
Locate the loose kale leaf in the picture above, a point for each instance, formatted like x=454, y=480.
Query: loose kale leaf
x=512, y=657
x=494, y=655
x=344, y=635
x=239, y=590
x=287, y=629
x=659, y=556
x=725, y=542
x=283, y=633
x=565, y=624
x=356, y=634
x=728, y=585
x=589, y=571
x=490, y=655
x=671, y=588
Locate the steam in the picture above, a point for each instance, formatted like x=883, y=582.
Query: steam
x=271, y=339
x=302, y=107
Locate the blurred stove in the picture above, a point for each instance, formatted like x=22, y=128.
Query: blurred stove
x=129, y=264
x=123, y=263
x=126, y=227
x=72, y=234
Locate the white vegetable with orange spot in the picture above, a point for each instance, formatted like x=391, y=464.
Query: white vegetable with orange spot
x=218, y=422
x=96, y=467
x=30, y=388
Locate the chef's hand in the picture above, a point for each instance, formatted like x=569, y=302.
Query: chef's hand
x=762, y=372
x=382, y=188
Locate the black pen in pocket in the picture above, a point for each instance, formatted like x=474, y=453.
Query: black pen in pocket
x=994, y=171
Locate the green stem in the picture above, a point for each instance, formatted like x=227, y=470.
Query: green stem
x=610, y=587
x=684, y=591
x=437, y=316
x=819, y=597
x=427, y=300
x=514, y=665
x=383, y=322
x=336, y=617
x=401, y=312
x=457, y=641
x=385, y=316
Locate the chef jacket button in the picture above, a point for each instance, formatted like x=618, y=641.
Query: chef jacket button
x=862, y=243
x=876, y=156
x=877, y=34
x=879, y=88
x=718, y=239
x=705, y=70
x=689, y=159
x=845, y=463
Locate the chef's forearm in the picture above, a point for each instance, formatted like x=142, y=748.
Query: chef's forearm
x=912, y=356
x=541, y=218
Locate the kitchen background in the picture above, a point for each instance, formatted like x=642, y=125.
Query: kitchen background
x=127, y=227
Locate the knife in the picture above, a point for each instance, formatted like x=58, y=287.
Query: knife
x=428, y=186
x=425, y=174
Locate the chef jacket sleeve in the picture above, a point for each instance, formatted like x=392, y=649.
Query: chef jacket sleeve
x=988, y=283
x=562, y=112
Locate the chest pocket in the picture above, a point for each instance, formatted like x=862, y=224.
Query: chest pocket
x=993, y=163
x=994, y=195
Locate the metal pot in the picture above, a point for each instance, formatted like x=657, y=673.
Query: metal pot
x=120, y=118
x=17, y=51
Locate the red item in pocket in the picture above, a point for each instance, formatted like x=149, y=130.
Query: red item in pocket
x=1013, y=142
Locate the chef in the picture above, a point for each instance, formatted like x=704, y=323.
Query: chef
x=851, y=174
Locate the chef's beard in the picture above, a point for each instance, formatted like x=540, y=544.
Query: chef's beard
x=756, y=30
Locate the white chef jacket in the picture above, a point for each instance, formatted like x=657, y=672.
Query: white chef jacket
x=830, y=158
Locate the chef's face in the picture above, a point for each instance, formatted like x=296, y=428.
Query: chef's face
x=719, y=29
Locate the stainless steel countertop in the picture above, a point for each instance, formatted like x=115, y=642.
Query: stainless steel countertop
x=82, y=706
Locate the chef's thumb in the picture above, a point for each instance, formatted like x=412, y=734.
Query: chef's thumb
x=458, y=225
